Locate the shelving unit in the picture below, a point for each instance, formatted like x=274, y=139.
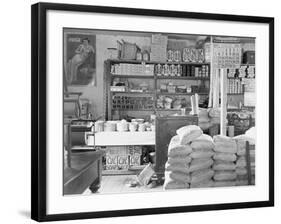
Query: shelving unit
x=154, y=92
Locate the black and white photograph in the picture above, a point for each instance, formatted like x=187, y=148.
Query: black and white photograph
x=170, y=111
x=138, y=111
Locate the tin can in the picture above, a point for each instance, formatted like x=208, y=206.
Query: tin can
x=158, y=69
x=166, y=70
x=170, y=55
x=179, y=70
x=177, y=56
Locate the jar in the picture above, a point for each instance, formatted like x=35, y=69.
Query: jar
x=177, y=56
x=179, y=70
x=145, y=56
x=170, y=55
x=142, y=127
x=133, y=126
x=158, y=69
x=139, y=56
x=166, y=69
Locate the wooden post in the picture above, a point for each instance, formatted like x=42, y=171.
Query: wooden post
x=223, y=83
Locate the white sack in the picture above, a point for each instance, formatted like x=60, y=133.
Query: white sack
x=202, y=142
x=177, y=168
x=201, y=175
x=188, y=133
x=185, y=160
x=177, y=149
x=202, y=153
x=206, y=183
x=225, y=175
x=199, y=164
x=228, y=157
x=175, y=185
x=222, y=165
x=177, y=176
x=224, y=183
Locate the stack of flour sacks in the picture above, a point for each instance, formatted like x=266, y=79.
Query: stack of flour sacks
x=189, y=163
x=225, y=161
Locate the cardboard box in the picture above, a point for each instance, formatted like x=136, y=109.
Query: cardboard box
x=111, y=162
x=135, y=160
x=123, y=162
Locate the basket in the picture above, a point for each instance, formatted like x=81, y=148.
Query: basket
x=128, y=50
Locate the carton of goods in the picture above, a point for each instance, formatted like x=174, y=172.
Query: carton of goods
x=111, y=162
x=145, y=175
x=135, y=160
x=123, y=161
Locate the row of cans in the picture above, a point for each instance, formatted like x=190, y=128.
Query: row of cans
x=168, y=70
x=187, y=55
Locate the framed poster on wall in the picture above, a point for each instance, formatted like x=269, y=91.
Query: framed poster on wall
x=73, y=44
x=80, y=58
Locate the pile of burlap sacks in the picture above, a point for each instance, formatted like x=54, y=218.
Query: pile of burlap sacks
x=189, y=159
x=196, y=160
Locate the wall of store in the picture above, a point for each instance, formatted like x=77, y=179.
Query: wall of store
x=95, y=93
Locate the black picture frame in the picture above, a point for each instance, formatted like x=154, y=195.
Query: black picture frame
x=39, y=108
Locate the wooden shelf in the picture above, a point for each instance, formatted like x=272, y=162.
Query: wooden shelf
x=134, y=93
x=235, y=94
x=119, y=172
x=180, y=94
x=153, y=92
x=156, y=62
x=133, y=109
x=172, y=109
x=183, y=77
x=133, y=76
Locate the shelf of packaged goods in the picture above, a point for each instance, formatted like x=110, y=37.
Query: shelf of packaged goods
x=132, y=93
x=116, y=61
x=235, y=94
x=181, y=94
x=183, y=77
x=133, y=76
x=134, y=109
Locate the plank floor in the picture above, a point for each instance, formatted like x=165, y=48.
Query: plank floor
x=120, y=184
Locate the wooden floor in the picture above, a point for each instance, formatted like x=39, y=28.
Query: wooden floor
x=121, y=184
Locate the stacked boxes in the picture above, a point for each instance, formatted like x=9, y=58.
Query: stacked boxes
x=132, y=69
x=123, y=157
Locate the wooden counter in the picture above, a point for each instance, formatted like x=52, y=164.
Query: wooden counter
x=85, y=172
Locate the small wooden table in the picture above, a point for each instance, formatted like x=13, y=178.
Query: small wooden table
x=85, y=172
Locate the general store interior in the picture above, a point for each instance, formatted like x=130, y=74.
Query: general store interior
x=121, y=128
